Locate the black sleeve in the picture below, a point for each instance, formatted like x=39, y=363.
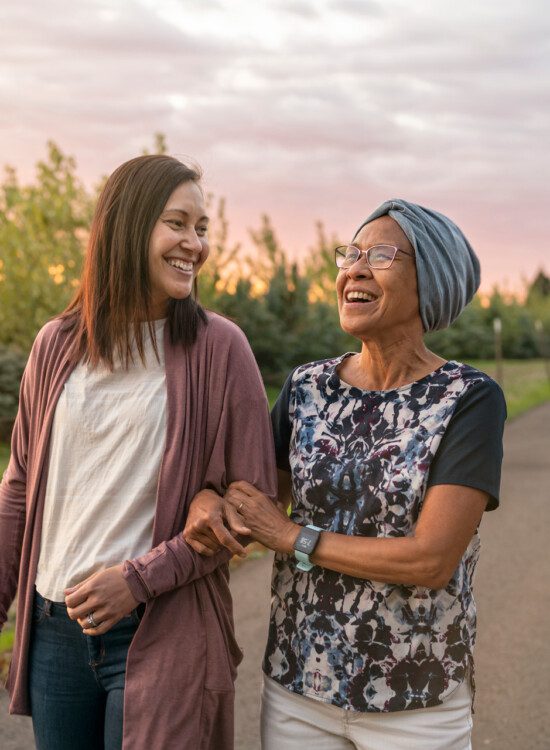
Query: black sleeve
x=470, y=452
x=282, y=427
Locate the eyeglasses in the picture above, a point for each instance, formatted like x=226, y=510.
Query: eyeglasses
x=378, y=256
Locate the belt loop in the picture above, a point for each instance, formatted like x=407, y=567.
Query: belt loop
x=47, y=607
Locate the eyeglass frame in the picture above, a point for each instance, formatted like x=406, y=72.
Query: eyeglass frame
x=366, y=254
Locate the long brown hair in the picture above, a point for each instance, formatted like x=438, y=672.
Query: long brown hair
x=112, y=302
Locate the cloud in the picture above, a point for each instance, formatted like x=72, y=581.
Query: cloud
x=299, y=8
x=359, y=8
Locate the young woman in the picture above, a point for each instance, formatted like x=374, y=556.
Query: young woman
x=133, y=401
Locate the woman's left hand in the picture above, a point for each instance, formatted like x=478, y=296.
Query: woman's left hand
x=268, y=523
x=105, y=595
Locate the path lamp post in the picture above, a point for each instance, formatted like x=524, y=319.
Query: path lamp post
x=543, y=351
x=497, y=330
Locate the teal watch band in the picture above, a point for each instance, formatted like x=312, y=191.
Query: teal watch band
x=303, y=557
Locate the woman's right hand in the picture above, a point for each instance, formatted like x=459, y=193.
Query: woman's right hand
x=206, y=530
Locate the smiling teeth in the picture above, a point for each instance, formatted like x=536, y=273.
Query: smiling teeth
x=351, y=296
x=181, y=264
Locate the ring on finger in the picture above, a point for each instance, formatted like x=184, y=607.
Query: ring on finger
x=240, y=506
x=91, y=622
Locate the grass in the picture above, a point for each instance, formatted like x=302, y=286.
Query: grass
x=6, y=644
x=272, y=393
x=6, y=639
x=4, y=456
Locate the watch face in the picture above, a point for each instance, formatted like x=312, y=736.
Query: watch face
x=306, y=541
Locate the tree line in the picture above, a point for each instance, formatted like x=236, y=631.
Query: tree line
x=286, y=309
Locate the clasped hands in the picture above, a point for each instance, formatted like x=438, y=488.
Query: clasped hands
x=214, y=522
x=103, y=599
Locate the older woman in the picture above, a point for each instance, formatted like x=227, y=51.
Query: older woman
x=389, y=458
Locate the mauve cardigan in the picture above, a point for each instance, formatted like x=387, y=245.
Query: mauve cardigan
x=182, y=662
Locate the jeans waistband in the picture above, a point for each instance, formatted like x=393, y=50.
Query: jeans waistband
x=51, y=608
x=48, y=606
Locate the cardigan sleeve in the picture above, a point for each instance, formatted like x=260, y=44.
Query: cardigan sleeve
x=170, y=565
x=242, y=449
x=13, y=492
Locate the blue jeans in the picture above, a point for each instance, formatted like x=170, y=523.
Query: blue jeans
x=76, y=681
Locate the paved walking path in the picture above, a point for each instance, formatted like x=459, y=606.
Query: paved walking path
x=513, y=595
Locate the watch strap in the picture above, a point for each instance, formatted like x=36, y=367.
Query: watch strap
x=304, y=562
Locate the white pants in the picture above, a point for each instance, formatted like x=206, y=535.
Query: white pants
x=295, y=722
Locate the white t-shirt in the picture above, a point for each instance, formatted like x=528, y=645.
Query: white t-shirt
x=108, y=438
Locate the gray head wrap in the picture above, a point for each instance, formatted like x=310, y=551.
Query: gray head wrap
x=447, y=268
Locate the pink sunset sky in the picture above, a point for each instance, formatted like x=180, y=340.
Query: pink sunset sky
x=302, y=110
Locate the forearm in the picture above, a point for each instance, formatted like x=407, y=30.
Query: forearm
x=427, y=557
x=404, y=560
x=169, y=566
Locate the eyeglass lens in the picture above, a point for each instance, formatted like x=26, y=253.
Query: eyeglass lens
x=378, y=256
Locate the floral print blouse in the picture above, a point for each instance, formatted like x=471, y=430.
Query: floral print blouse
x=361, y=463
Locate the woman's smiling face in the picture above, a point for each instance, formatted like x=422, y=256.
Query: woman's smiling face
x=392, y=293
x=178, y=247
